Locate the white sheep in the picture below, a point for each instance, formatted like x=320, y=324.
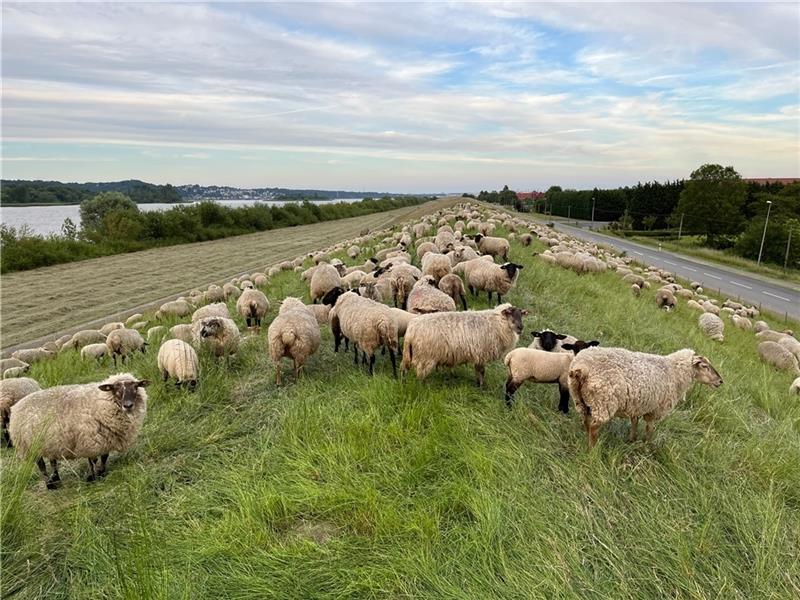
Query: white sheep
x=615, y=382
x=124, y=342
x=426, y=298
x=94, y=352
x=218, y=334
x=665, y=299
x=32, y=355
x=778, y=356
x=712, y=326
x=486, y=276
x=8, y=363
x=174, y=308
x=182, y=332
x=324, y=279
x=80, y=421
x=217, y=309
x=179, y=360
x=794, y=388
x=436, y=265
x=453, y=286
x=493, y=246
x=456, y=338
x=15, y=372
x=294, y=334
x=11, y=392
x=109, y=327
x=253, y=306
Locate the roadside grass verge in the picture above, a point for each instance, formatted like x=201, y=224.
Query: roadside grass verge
x=342, y=485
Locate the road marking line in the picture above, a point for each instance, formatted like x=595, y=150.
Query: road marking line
x=671, y=263
x=690, y=269
x=710, y=275
x=639, y=253
x=741, y=285
x=776, y=296
x=651, y=256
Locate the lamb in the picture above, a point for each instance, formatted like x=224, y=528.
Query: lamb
x=778, y=356
x=494, y=246
x=436, y=265
x=174, y=308
x=542, y=366
x=456, y=338
x=368, y=324
x=550, y=341
x=486, y=276
x=217, y=309
x=219, y=334
x=712, y=326
x=124, y=342
x=11, y=392
x=453, y=286
x=252, y=305
x=182, y=332
x=94, y=351
x=8, y=363
x=294, y=334
x=80, y=421
x=665, y=299
x=15, y=372
x=353, y=279
x=614, y=382
x=426, y=298
x=179, y=360
x=324, y=279
x=463, y=254
x=32, y=355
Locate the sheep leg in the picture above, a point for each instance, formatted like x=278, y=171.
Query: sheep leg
x=480, y=371
x=42, y=467
x=355, y=349
x=54, y=480
x=101, y=472
x=371, y=363
x=277, y=374
x=297, y=367
x=489, y=293
x=393, y=358
x=499, y=298
x=473, y=291
x=4, y=415
x=91, y=476
x=634, y=425
x=511, y=388
x=464, y=301
x=592, y=430
x=648, y=430
x=248, y=321
x=563, y=400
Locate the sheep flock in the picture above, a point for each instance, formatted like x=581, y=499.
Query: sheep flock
x=403, y=292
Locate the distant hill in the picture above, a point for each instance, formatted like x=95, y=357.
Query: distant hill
x=54, y=192
x=217, y=192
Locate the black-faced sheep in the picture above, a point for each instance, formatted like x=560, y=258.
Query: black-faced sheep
x=493, y=246
x=486, y=276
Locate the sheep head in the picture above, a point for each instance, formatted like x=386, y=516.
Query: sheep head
x=704, y=372
x=548, y=339
x=514, y=317
x=125, y=392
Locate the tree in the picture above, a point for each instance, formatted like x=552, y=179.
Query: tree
x=649, y=221
x=712, y=201
x=94, y=210
x=68, y=229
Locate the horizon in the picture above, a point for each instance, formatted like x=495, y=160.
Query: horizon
x=382, y=97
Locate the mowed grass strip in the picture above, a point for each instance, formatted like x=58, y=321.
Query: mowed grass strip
x=53, y=299
x=342, y=485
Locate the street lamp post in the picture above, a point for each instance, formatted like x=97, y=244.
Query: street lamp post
x=764, y=235
x=592, y=211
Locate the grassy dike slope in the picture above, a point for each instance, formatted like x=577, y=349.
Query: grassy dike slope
x=67, y=297
x=348, y=486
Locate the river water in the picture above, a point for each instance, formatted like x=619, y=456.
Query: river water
x=48, y=219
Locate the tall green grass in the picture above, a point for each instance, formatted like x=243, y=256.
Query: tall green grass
x=342, y=485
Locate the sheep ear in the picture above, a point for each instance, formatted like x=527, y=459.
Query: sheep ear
x=536, y=333
x=594, y=343
x=697, y=360
x=143, y=383
x=568, y=346
x=560, y=336
x=106, y=387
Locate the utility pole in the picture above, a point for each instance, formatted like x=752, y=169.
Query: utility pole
x=764, y=235
x=680, y=227
x=569, y=211
x=788, y=243
x=592, y=211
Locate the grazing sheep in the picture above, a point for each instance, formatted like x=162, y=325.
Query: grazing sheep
x=694, y=305
x=486, y=276
x=252, y=305
x=402, y=318
x=32, y=355
x=637, y=291
x=80, y=421
x=436, y=265
x=712, y=326
x=463, y=254
x=155, y=333
x=709, y=307
x=15, y=372
x=614, y=382
x=218, y=309
x=425, y=248
x=179, y=360
x=542, y=366
x=11, y=392
x=778, y=356
x=426, y=298
x=174, y=308
x=138, y=326
x=8, y=363
x=665, y=299
x=230, y=291
x=760, y=326
x=219, y=334
x=453, y=286
x=792, y=345
x=294, y=334
x=493, y=246
x=353, y=251
x=456, y=338
x=124, y=342
x=109, y=327
x=133, y=319
x=526, y=239
x=324, y=279
x=214, y=293
x=182, y=332
x=741, y=322
x=768, y=335
x=94, y=352
x=353, y=279
x=402, y=278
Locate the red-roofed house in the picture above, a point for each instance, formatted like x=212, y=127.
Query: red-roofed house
x=530, y=195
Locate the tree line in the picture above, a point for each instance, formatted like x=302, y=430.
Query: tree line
x=55, y=192
x=112, y=224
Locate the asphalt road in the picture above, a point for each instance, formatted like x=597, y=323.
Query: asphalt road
x=777, y=297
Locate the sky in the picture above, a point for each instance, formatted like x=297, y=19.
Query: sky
x=407, y=97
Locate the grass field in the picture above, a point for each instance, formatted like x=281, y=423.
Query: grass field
x=53, y=299
x=342, y=485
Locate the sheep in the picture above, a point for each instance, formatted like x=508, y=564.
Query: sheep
x=741, y=322
x=425, y=248
x=132, y=319
x=494, y=246
x=463, y=254
x=294, y=334
x=8, y=363
x=214, y=293
x=109, y=327
x=526, y=239
x=550, y=341
x=402, y=278
x=710, y=308
x=425, y=298
x=183, y=332
x=455, y=338
x=246, y=284
x=259, y=279
x=218, y=309
x=402, y=318
x=795, y=387
x=712, y=326
x=486, y=276
x=123, y=342
x=636, y=290
x=179, y=360
x=792, y=345
x=324, y=279
x=778, y=356
x=80, y=421
x=94, y=351
x=366, y=323
x=15, y=372
x=542, y=366
x=760, y=326
x=665, y=299
x=219, y=334
x=63, y=340
x=32, y=355
x=252, y=305
x=231, y=291
x=453, y=286
x=138, y=326
x=436, y=265
x=321, y=312
x=174, y=308
x=768, y=335
x=11, y=392
x=615, y=382
x=694, y=305
x=353, y=251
